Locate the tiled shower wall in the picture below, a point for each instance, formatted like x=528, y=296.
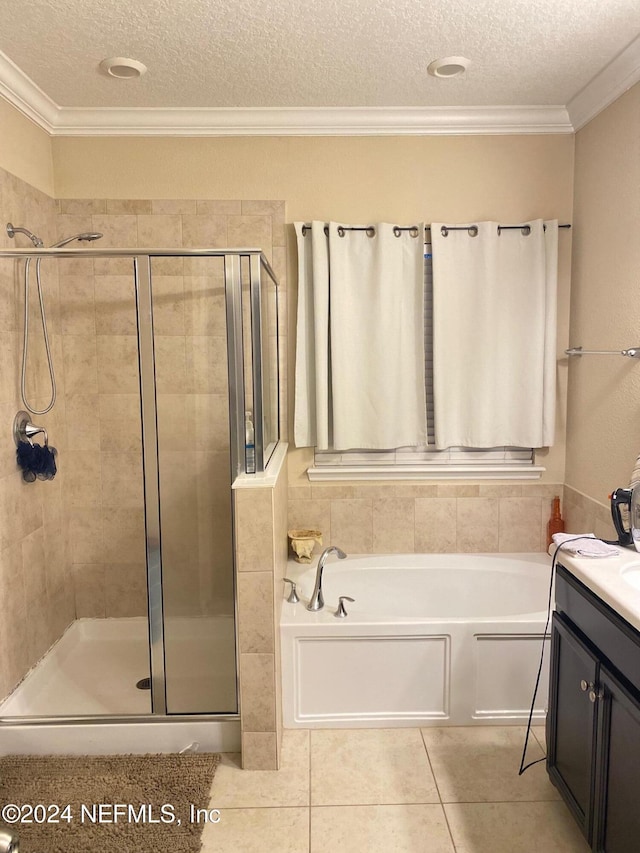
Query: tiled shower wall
x=35, y=586
x=426, y=518
x=99, y=328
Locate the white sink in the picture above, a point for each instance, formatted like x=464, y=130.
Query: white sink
x=631, y=574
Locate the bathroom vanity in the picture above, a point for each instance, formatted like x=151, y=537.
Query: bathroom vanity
x=593, y=723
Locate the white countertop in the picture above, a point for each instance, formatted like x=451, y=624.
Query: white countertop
x=603, y=576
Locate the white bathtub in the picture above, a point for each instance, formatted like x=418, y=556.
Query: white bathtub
x=431, y=639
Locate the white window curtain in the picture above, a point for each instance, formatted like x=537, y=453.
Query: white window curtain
x=360, y=338
x=494, y=334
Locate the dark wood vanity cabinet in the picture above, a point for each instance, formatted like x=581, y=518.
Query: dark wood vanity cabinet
x=617, y=821
x=593, y=724
x=571, y=722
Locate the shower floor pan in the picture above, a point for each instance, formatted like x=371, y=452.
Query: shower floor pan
x=93, y=671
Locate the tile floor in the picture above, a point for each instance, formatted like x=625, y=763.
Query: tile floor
x=433, y=790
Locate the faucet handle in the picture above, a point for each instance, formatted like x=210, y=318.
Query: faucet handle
x=293, y=598
x=341, y=612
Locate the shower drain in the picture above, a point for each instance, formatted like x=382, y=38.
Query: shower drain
x=144, y=684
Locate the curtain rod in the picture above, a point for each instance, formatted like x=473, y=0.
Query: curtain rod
x=444, y=229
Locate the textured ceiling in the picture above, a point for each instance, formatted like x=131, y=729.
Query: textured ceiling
x=286, y=53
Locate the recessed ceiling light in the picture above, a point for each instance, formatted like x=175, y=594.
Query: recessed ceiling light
x=123, y=68
x=448, y=66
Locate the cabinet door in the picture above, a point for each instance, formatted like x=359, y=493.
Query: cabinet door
x=617, y=817
x=571, y=722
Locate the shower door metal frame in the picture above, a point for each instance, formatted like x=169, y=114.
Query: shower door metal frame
x=141, y=259
x=256, y=361
x=256, y=282
x=151, y=472
x=235, y=361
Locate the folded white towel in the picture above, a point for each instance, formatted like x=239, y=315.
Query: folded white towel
x=584, y=545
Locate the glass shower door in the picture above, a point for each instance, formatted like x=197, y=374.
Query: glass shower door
x=194, y=476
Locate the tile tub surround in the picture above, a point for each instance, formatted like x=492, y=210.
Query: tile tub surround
x=349, y=790
x=584, y=515
x=429, y=518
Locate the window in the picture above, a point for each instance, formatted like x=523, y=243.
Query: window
x=426, y=462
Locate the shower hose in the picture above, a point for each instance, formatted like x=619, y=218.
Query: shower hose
x=25, y=346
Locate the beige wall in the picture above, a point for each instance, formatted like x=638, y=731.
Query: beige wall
x=356, y=179
x=25, y=149
x=604, y=399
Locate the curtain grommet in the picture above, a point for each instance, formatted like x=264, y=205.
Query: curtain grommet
x=413, y=230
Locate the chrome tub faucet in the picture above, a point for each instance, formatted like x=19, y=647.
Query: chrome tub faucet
x=316, y=601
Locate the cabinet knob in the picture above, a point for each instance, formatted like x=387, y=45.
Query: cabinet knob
x=596, y=694
x=586, y=685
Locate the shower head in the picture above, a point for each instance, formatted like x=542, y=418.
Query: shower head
x=86, y=235
x=12, y=230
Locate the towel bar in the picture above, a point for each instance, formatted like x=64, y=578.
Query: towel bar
x=632, y=352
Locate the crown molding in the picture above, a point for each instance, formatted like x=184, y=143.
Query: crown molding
x=301, y=121
x=20, y=91
x=614, y=80
x=23, y=94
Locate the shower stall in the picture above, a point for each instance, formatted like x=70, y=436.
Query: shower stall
x=161, y=357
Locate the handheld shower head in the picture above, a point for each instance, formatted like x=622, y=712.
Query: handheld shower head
x=86, y=235
x=12, y=230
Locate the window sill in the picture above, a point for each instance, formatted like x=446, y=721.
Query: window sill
x=425, y=472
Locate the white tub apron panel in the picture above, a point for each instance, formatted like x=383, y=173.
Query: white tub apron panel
x=374, y=678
